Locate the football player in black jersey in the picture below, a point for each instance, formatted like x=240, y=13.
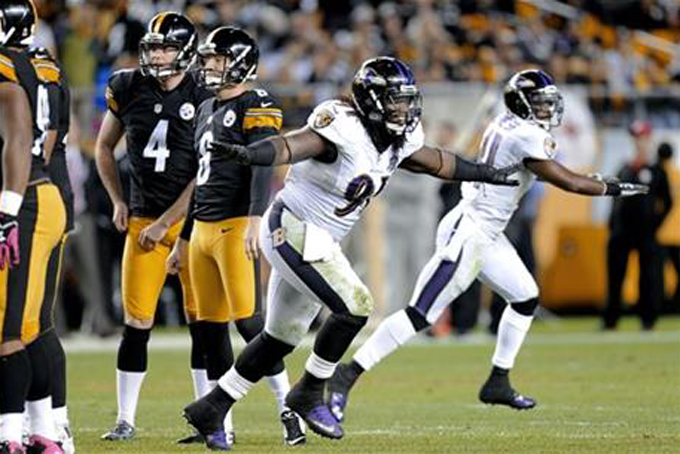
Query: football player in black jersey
x=32, y=221
x=154, y=106
x=50, y=74
x=227, y=205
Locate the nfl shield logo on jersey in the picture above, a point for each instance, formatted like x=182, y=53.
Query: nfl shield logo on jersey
x=187, y=111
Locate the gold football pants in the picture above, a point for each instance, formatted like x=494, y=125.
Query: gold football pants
x=144, y=273
x=42, y=219
x=226, y=283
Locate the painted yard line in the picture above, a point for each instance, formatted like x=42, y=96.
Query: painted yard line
x=181, y=341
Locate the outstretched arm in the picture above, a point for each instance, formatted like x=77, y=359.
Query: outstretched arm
x=289, y=148
x=555, y=173
x=449, y=166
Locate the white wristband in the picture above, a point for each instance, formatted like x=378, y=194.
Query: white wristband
x=10, y=202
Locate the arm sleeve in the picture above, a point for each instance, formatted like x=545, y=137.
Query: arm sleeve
x=260, y=188
x=263, y=118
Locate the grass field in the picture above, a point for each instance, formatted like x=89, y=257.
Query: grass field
x=597, y=392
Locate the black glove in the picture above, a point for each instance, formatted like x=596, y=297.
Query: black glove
x=9, y=241
x=230, y=151
x=623, y=189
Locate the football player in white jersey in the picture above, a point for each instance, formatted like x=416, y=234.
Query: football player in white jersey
x=342, y=158
x=471, y=244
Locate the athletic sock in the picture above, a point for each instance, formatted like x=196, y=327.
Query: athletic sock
x=200, y=380
x=280, y=386
x=42, y=422
x=128, y=385
x=392, y=333
x=512, y=330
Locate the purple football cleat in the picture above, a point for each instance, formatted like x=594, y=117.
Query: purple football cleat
x=321, y=421
x=337, y=403
x=209, y=422
x=217, y=441
x=315, y=413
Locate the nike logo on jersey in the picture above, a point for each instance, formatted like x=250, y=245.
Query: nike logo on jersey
x=267, y=104
x=226, y=230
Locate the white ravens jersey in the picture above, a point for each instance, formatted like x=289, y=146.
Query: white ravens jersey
x=331, y=195
x=507, y=141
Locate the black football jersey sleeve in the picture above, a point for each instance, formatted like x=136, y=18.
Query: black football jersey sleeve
x=159, y=130
x=224, y=189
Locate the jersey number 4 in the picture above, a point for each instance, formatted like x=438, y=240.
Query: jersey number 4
x=157, y=147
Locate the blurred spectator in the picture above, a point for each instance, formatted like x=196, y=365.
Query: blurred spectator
x=633, y=224
x=672, y=253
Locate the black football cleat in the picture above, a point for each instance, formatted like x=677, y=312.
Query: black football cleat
x=293, y=429
x=208, y=421
x=497, y=391
x=194, y=438
x=314, y=412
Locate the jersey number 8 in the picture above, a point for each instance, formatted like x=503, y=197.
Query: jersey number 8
x=204, y=161
x=42, y=120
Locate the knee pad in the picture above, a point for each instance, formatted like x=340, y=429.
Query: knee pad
x=526, y=308
x=249, y=327
x=132, y=355
x=417, y=319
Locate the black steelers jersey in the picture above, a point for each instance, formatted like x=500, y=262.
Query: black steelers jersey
x=159, y=128
x=224, y=189
x=16, y=66
x=60, y=97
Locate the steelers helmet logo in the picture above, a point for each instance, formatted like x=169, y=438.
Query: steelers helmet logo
x=187, y=111
x=229, y=118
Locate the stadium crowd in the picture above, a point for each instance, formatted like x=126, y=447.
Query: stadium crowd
x=615, y=49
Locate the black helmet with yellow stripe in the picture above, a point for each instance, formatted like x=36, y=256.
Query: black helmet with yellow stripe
x=17, y=22
x=165, y=30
